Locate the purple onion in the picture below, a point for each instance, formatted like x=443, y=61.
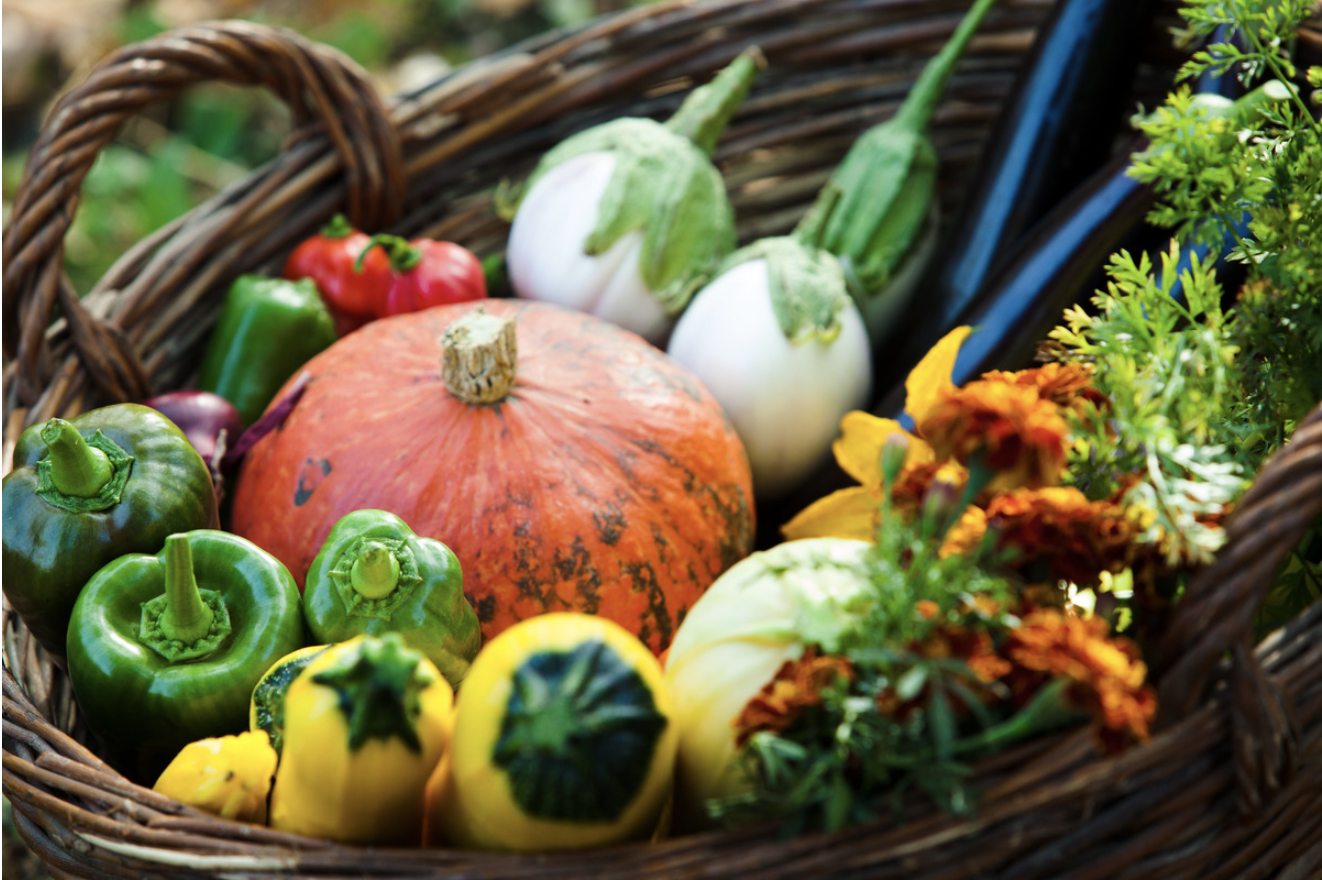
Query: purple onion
x=209, y=421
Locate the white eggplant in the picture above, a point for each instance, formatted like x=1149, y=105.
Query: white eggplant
x=627, y=219
x=547, y=259
x=778, y=341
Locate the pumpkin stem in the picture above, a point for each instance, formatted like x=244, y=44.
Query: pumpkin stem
x=479, y=358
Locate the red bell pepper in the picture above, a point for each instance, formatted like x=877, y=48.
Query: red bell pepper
x=426, y=273
x=351, y=287
x=363, y=277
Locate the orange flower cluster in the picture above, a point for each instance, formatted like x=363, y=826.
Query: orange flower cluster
x=965, y=536
x=797, y=685
x=1077, y=538
x=1108, y=674
x=1067, y=385
x=1009, y=427
x=972, y=644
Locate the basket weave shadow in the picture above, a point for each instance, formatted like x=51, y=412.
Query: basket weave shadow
x=1231, y=784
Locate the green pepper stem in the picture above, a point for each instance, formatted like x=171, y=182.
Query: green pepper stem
x=76, y=468
x=338, y=227
x=707, y=111
x=923, y=98
x=186, y=618
x=375, y=573
x=403, y=255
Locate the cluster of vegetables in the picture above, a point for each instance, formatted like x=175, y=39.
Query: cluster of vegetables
x=589, y=490
x=781, y=331
x=182, y=635
x=459, y=532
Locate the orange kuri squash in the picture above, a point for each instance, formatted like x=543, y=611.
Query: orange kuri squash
x=569, y=464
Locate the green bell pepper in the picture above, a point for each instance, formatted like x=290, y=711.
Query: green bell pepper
x=267, y=329
x=374, y=576
x=83, y=492
x=165, y=650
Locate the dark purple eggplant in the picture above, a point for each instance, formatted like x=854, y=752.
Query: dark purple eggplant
x=1056, y=129
x=209, y=421
x=1058, y=264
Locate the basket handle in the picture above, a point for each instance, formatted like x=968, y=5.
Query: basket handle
x=1213, y=621
x=327, y=94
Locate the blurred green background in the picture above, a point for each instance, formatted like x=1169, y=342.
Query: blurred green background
x=179, y=153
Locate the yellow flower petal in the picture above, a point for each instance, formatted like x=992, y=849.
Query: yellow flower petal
x=932, y=375
x=858, y=448
x=846, y=513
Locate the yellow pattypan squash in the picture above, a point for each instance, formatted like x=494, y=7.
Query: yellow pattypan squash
x=229, y=776
x=563, y=739
x=365, y=724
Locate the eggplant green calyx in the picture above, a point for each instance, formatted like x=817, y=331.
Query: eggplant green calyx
x=403, y=255
x=664, y=185
x=707, y=110
x=184, y=622
x=374, y=576
x=378, y=687
x=81, y=474
x=921, y=102
x=886, y=184
x=806, y=285
x=588, y=717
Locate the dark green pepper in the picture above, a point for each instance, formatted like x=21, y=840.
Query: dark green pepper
x=374, y=576
x=83, y=492
x=165, y=650
x=267, y=330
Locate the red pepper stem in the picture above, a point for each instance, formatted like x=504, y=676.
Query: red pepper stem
x=375, y=573
x=403, y=255
x=338, y=227
x=186, y=618
x=76, y=468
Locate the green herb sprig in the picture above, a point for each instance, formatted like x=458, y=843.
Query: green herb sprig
x=1202, y=395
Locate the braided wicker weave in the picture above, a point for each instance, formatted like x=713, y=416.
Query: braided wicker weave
x=1230, y=785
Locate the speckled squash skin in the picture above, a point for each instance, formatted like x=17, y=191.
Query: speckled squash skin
x=608, y=481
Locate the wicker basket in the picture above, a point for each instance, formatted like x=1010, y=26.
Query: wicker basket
x=1230, y=785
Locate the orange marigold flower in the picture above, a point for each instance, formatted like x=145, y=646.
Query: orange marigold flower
x=797, y=685
x=1108, y=674
x=1010, y=428
x=1068, y=385
x=1077, y=538
x=973, y=645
